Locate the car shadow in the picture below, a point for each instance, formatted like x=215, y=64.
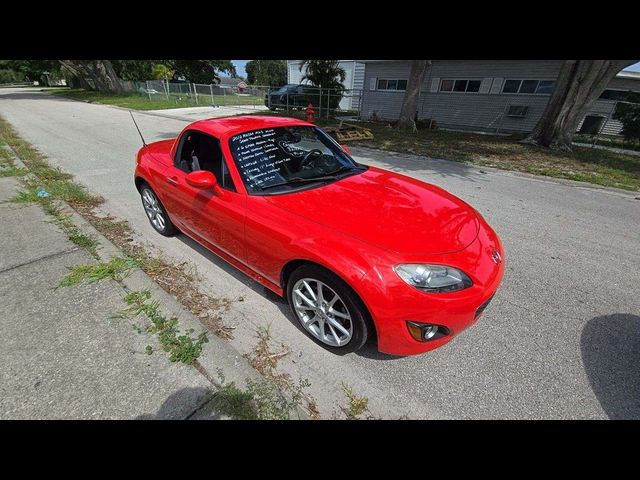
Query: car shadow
x=180, y=405
x=610, y=348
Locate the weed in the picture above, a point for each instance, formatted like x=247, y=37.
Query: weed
x=265, y=361
x=181, y=348
x=356, y=406
x=262, y=400
x=237, y=403
x=148, y=349
x=117, y=269
x=85, y=241
x=12, y=171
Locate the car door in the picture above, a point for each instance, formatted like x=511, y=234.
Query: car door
x=217, y=215
x=176, y=195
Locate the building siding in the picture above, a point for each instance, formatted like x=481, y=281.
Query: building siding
x=479, y=111
x=486, y=110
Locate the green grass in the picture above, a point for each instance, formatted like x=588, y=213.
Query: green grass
x=600, y=167
x=607, y=141
x=7, y=166
x=139, y=101
x=261, y=400
x=180, y=347
x=356, y=405
x=12, y=171
x=117, y=269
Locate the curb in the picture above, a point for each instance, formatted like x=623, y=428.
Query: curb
x=217, y=353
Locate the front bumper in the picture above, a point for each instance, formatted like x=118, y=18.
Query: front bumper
x=400, y=302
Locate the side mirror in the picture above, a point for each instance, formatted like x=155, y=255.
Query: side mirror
x=201, y=179
x=346, y=149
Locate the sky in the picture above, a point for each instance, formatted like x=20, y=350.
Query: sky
x=242, y=72
x=634, y=68
x=240, y=67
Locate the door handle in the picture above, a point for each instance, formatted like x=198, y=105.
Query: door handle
x=172, y=180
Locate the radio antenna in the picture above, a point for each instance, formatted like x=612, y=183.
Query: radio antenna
x=139, y=132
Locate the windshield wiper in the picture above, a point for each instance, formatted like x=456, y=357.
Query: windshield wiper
x=300, y=180
x=345, y=168
x=330, y=176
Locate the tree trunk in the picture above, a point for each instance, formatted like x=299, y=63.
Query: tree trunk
x=578, y=86
x=412, y=94
x=95, y=75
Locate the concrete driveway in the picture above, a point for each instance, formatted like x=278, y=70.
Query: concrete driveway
x=560, y=340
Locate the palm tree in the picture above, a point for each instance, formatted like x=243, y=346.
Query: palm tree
x=327, y=74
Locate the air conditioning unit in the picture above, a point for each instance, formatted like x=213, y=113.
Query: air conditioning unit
x=517, y=111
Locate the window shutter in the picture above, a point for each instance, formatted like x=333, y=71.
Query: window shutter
x=372, y=83
x=485, y=86
x=435, y=84
x=496, y=86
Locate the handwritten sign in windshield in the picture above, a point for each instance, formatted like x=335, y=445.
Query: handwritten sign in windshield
x=260, y=157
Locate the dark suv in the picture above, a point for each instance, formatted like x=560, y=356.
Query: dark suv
x=291, y=96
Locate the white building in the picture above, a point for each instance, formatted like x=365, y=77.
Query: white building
x=353, y=81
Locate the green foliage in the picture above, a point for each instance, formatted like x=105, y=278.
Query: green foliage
x=325, y=74
x=629, y=114
x=135, y=70
x=117, y=269
x=11, y=171
x=262, y=400
x=180, y=347
x=32, y=70
x=8, y=75
x=161, y=72
x=267, y=72
x=356, y=406
x=200, y=71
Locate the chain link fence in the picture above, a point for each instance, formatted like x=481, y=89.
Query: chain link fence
x=289, y=98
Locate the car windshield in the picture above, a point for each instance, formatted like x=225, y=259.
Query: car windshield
x=285, y=88
x=282, y=159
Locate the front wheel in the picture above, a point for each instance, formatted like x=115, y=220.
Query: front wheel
x=328, y=310
x=156, y=212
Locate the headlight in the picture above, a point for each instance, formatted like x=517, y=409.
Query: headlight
x=433, y=278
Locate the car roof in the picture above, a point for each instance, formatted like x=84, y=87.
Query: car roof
x=227, y=126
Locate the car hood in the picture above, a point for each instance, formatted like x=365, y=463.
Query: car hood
x=390, y=211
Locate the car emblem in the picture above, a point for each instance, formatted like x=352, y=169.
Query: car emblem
x=495, y=256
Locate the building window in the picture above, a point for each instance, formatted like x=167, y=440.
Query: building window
x=460, y=85
x=608, y=94
x=392, y=84
x=543, y=87
x=517, y=111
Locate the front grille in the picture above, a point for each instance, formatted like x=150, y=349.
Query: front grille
x=483, y=306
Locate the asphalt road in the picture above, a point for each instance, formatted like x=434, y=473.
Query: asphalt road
x=561, y=338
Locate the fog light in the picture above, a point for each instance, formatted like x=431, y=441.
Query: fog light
x=423, y=332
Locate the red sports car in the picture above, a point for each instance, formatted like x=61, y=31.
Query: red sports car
x=359, y=252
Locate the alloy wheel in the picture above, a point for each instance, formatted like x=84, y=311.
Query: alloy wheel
x=153, y=210
x=322, y=312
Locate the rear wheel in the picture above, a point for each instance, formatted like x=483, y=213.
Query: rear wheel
x=156, y=212
x=328, y=310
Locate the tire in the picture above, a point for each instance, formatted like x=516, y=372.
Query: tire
x=156, y=213
x=358, y=325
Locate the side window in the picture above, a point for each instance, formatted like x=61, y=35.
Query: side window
x=202, y=152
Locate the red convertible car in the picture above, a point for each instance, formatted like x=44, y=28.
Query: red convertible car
x=359, y=252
